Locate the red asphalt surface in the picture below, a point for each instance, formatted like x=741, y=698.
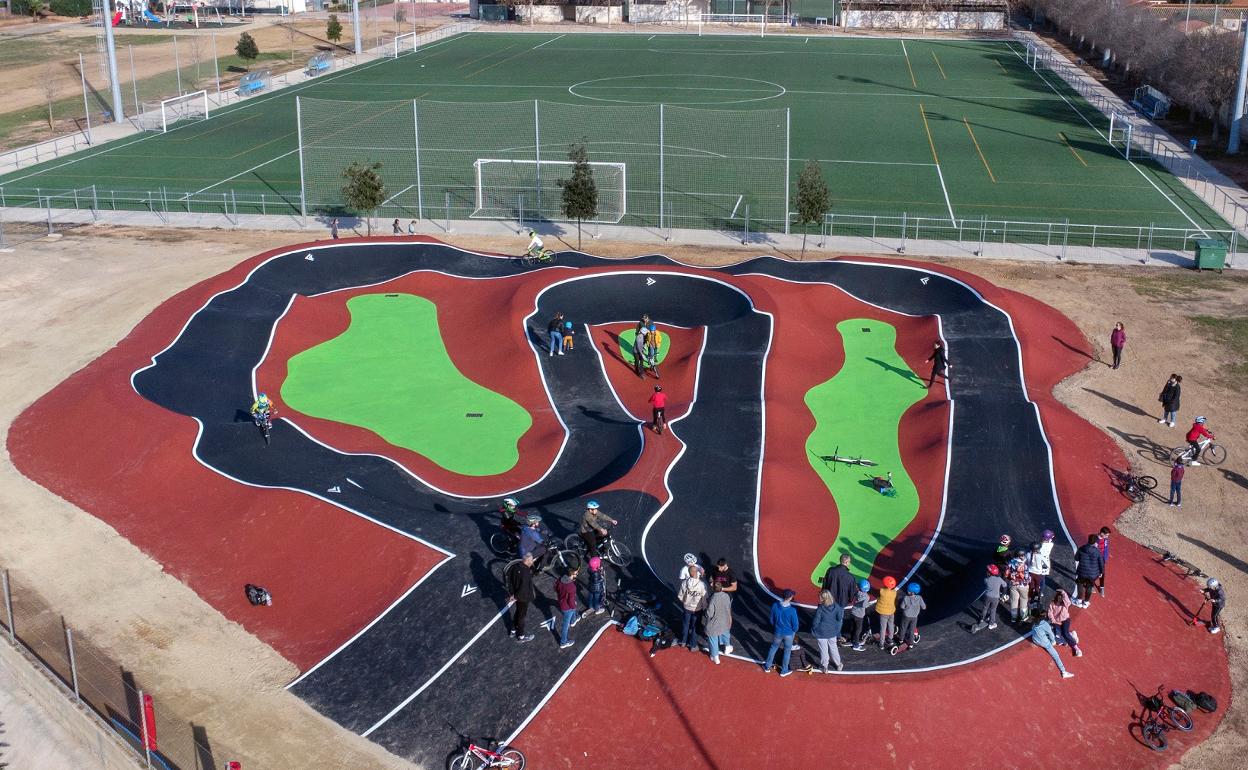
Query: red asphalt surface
x=1010, y=710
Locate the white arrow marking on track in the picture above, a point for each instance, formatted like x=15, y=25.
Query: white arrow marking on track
x=310, y=258
x=335, y=489
x=924, y=280
x=649, y=281
x=549, y=623
x=467, y=589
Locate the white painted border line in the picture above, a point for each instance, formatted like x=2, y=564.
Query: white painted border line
x=952, y=219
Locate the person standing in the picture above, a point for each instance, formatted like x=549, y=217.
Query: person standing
x=783, y=629
x=333, y=228
x=886, y=608
x=858, y=613
x=718, y=617
x=1176, y=484
x=1042, y=636
x=1169, y=398
x=1089, y=567
x=1117, y=339
x=555, y=329
x=520, y=588
x=411, y=227
x=396, y=228
x=940, y=362
x=1102, y=545
x=840, y=582
x=1215, y=594
x=692, y=598
x=639, y=344
x=597, y=588
x=994, y=585
x=1038, y=568
x=911, y=605
x=829, y=617
x=1059, y=619
x=1016, y=577
x=658, y=410
x=565, y=592
x=722, y=576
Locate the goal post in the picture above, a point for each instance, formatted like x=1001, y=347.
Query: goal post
x=160, y=116
x=507, y=189
x=405, y=43
x=1121, y=132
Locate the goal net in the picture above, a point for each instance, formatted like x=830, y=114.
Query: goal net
x=1121, y=132
x=160, y=116
x=511, y=189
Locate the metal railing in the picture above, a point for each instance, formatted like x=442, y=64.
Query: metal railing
x=31, y=154
x=95, y=680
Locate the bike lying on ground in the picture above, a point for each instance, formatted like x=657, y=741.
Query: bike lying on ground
x=478, y=757
x=837, y=457
x=1136, y=488
x=1168, y=557
x=634, y=603
x=1207, y=452
x=1157, y=718
x=609, y=548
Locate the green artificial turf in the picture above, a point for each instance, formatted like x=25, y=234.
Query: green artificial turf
x=626, y=346
x=944, y=131
x=390, y=373
x=859, y=411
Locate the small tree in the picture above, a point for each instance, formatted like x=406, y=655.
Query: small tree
x=812, y=198
x=50, y=85
x=333, y=30
x=364, y=190
x=400, y=16
x=247, y=49
x=580, y=194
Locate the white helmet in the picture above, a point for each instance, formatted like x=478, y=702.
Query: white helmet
x=510, y=502
x=1200, y=420
x=690, y=559
x=1212, y=583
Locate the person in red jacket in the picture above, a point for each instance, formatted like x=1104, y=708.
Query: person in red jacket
x=658, y=407
x=1197, y=432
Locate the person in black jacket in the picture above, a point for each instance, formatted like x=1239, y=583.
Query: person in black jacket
x=520, y=588
x=841, y=583
x=939, y=362
x=1169, y=399
x=1089, y=565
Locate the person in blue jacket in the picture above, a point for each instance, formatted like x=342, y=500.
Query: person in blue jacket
x=829, y=617
x=784, y=628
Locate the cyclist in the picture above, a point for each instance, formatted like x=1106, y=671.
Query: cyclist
x=536, y=247
x=262, y=408
x=531, y=540
x=1198, y=432
x=510, y=513
x=593, y=528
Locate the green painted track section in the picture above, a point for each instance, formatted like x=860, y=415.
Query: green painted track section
x=860, y=411
x=626, y=346
x=876, y=113
x=390, y=373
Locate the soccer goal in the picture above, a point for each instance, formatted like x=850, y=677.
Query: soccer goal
x=405, y=43
x=512, y=189
x=753, y=21
x=159, y=116
x=1121, y=132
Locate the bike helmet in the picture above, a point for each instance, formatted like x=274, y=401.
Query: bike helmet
x=1212, y=583
x=657, y=388
x=534, y=518
x=532, y=233
x=863, y=585
x=595, y=562
x=1005, y=540
x=262, y=397
x=690, y=559
x=510, y=503
x=890, y=582
x=652, y=328
x=567, y=324
x=1047, y=535
x=913, y=588
x=592, y=505
x=1200, y=420
x=994, y=569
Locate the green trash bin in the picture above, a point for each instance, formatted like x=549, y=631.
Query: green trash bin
x=1210, y=255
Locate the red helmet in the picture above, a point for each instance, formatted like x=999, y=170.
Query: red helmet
x=890, y=582
x=994, y=569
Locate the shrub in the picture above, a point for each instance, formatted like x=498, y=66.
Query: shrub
x=247, y=48
x=71, y=7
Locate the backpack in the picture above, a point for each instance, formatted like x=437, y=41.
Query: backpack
x=1182, y=701
x=1204, y=701
x=630, y=626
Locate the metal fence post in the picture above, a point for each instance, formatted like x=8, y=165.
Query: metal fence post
x=520, y=209
x=420, y=193
x=1065, y=239
x=745, y=229
x=448, y=212
x=2, y=246
x=902, y=248
x=73, y=662
x=8, y=606
x=49, y=215
x=660, y=166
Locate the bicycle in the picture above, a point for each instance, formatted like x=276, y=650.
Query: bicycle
x=1206, y=451
x=837, y=457
x=1136, y=488
x=264, y=421
x=563, y=558
x=639, y=604
x=1156, y=719
x=609, y=548
x=477, y=757
x=541, y=257
x=1168, y=557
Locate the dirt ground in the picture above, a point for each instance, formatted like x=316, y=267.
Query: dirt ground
x=62, y=303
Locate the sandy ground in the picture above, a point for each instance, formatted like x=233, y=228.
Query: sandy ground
x=62, y=303
x=29, y=739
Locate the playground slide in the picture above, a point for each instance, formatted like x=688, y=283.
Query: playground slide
x=147, y=14
x=117, y=18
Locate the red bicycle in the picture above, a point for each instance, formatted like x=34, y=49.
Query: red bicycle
x=478, y=757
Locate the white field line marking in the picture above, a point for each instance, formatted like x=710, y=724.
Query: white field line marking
x=736, y=205
x=941, y=176
x=400, y=192
x=539, y=45
x=241, y=173
x=1062, y=96
x=439, y=672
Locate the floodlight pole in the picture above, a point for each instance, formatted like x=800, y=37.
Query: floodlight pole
x=1232, y=143
x=111, y=51
x=355, y=25
x=86, y=107
x=134, y=84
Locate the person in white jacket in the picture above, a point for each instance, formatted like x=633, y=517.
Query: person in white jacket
x=692, y=598
x=1038, y=567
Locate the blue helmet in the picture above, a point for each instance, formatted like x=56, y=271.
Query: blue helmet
x=652, y=327
x=913, y=588
x=863, y=585
x=567, y=324
x=592, y=504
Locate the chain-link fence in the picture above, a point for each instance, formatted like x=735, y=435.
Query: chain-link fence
x=113, y=692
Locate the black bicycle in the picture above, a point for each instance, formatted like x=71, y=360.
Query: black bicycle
x=554, y=561
x=1157, y=718
x=1137, y=488
x=609, y=548
x=264, y=421
x=1172, y=558
x=639, y=604
x=505, y=544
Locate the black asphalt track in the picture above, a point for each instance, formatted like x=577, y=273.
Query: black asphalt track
x=440, y=660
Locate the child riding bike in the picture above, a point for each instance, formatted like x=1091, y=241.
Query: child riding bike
x=1197, y=436
x=536, y=250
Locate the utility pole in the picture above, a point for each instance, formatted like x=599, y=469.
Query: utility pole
x=355, y=25
x=118, y=106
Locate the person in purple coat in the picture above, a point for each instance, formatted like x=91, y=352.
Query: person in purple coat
x=1117, y=339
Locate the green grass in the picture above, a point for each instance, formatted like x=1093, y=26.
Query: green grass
x=390, y=373
x=1185, y=285
x=1232, y=334
x=859, y=410
x=938, y=129
x=23, y=52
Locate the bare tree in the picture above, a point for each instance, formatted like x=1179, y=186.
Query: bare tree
x=197, y=45
x=50, y=84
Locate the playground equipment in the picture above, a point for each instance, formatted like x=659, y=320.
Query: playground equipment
x=194, y=12
x=151, y=17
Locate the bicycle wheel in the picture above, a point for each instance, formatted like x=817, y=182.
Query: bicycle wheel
x=502, y=544
x=513, y=759
x=507, y=568
x=1146, y=482
x=1178, y=718
x=574, y=542
x=619, y=554
x=568, y=559
x=1214, y=454
x=464, y=761
x=1179, y=453
x=1134, y=493
x=639, y=597
x=868, y=463
x=1154, y=736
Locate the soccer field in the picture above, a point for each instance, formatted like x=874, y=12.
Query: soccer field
x=946, y=131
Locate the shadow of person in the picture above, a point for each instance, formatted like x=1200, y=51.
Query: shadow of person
x=904, y=373
x=1175, y=602
x=1234, y=478
x=1074, y=349
x=1123, y=405
x=1234, y=561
